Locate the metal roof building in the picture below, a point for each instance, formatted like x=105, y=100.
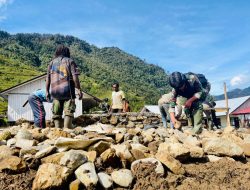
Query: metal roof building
x=233, y=104
x=18, y=95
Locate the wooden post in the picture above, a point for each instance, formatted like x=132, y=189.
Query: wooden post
x=226, y=99
x=228, y=127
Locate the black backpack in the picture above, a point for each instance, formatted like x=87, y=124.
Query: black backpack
x=201, y=78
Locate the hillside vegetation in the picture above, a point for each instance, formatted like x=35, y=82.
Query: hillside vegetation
x=24, y=56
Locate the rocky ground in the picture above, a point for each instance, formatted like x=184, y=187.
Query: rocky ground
x=126, y=151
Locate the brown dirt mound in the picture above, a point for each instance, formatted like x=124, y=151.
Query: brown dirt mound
x=147, y=179
x=223, y=174
x=21, y=181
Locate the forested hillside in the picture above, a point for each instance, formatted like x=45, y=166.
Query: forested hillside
x=23, y=56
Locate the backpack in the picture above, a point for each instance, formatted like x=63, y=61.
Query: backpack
x=202, y=79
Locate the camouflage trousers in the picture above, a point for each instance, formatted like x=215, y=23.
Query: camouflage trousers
x=68, y=106
x=195, y=113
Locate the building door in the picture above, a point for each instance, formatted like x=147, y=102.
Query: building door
x=236, y=122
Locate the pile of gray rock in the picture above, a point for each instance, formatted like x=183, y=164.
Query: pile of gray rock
x=106, y=152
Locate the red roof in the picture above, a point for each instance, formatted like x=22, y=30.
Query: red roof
x=242, y=111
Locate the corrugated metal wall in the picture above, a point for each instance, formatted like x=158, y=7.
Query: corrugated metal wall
x=18, y=96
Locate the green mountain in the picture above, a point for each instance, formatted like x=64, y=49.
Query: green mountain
x=236, y=93
x=23, y=56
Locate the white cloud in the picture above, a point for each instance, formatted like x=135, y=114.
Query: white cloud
x=4, y=2
x=3, y=8
x=239, y=80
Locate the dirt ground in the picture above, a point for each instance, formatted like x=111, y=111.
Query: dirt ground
x=21, y=181
x=221, y=175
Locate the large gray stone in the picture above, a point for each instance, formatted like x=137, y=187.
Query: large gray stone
x=109, y=156
x=174, y=165
x=24, y=134
x=177, y=150
x=25, y=143
x=73, y=158
x=221, y=147
x=11, y=142
x=44, y=152
x=187, y=139
x=54, y=158
x=162, y=132
x=99, y=147
x=68, y=143
x=105, y=180
x=5, y=151
x=12, y=163
x=86, y=174
x=50, y=176
x=38, y=135
x=99, y=128
x=14, y=130
x=122, y=177
x=140, y=147
x=196, y=152
x=54, y=133
x=123, y=152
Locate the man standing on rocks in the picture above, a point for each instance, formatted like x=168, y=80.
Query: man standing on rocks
x=62, y=79
x=188, y=86
x=118, y=99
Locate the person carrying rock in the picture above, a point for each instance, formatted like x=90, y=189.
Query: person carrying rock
x=188, y=86
x=36, y=100
x=62, y=79
x=118, y=99
x=163, y=104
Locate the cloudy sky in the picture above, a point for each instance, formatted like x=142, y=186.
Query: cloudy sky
x=208, y=36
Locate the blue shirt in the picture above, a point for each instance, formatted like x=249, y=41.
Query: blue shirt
x=41, y=94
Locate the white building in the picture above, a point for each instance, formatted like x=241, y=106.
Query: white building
x=151, y=109
x=18, y=95
x=234, y=104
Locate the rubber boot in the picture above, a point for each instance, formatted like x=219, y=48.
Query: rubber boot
x=190, y=122
x=68, y=122
x=58, y=123
x=197, y=115
x=210, y=126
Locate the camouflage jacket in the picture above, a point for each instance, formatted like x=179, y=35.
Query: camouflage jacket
x=193, y=88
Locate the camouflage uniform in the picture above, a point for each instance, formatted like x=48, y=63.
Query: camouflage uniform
x=210, y=114
x=193, y=88
x=164, y=103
